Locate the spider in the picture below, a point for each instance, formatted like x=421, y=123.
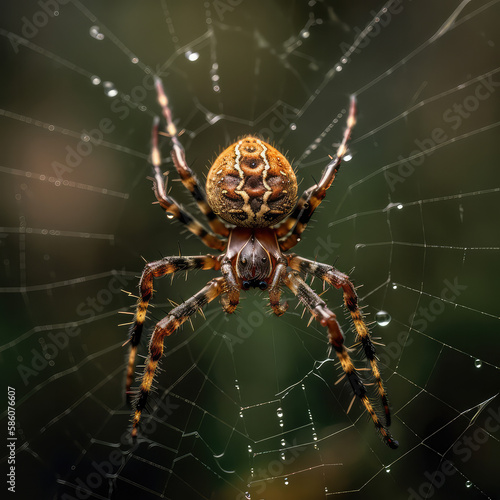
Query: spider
x=251, y=187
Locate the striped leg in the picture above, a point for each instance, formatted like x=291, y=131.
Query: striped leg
x=311, y=198
x=341, y=280
x=336, y=340
x=157, y=269
x=164, y=328
x=171, y=207
x=187, y=176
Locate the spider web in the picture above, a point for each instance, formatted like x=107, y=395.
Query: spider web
x=246, y=406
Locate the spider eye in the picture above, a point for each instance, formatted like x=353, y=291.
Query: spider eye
x=262, y=285
x=246, y=285
x=264, y=259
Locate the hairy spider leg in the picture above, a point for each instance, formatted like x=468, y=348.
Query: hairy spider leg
x=312, y=197
x=328, y=319
x=340, y=280
x=158, y=269
x=187, y=176
x=164, y=328
x=171, y=207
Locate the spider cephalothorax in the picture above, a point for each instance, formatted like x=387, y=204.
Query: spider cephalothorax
x=252, y=186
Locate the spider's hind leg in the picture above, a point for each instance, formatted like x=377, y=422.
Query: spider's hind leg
x=340, y=280
x=328, y=319
x=152, y=270
x=165, y=327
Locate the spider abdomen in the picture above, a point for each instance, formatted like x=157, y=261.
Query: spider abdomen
x=251, y=184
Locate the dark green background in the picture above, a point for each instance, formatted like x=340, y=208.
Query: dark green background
x=64, y=244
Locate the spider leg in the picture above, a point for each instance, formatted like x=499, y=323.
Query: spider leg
x=275, y=290
x=340, y=280
x=312, y=197
x=164, y=328
x=231, y=296
x=152, y=270
x=187, y=176
x=171, y=207
x=327, y=318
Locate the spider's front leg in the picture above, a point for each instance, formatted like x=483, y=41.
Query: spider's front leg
x=164, y=328
x=158, y=269
x=336, y=340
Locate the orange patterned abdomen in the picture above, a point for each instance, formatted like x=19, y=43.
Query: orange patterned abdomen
x=251, y=184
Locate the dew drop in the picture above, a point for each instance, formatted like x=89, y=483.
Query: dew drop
x=95, y=80
x=305, y=34
x=293, y=126
x=387, y=469
x=383, y=318
x=249, y=449
x=283, y=442
x=95, y=32
x=286, y=481
x=170, y=215
x=279, y=412
x=338, y=67
x=109, y=89
x=192, y=56
x=468, y=484
x=394, y=286
x=478, y=363
x=134, y=60
x=399, y=206
x=85, y=137
x=347, y=157
x=283, y=456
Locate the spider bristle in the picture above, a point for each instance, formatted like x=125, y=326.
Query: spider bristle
x=310, y=320
x=126, y=324
x=126, y=312
x=350, y=406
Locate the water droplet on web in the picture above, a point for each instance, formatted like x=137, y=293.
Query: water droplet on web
x=283, y=442
x=282, y=455
x=95, y=32
x=286, y=481
x=249, y=449
x=170, y=215
x=387, y=469
x=95, y=80
x=478, y=363
x=85, y=138
x=338, y=67
x=110, y=89
x=293, y=126
x=192, y=56
x=134, y=60
x=399, y=206
x=279, y=412
x=468, y=484
x=305, y=34
x=347, y=157
x=394, y=286
x=383, y=318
